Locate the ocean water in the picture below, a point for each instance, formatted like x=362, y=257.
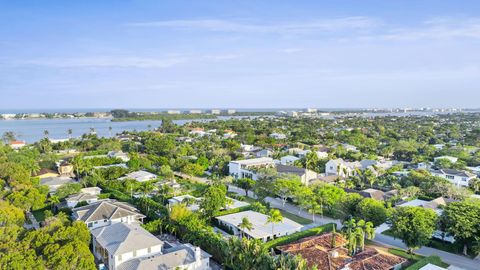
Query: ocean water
x=31, y=130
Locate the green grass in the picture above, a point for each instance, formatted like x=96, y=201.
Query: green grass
x=404, y=254
x=40, y=213
x=249, y=200
x=298, y=219
x=431, y=259
x=299, y=235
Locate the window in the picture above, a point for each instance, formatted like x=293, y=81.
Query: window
x=90, y=224
x=104, y=220
x=451, y=177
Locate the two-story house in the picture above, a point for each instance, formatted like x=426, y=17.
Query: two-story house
x=107, y=212
x=457, y=177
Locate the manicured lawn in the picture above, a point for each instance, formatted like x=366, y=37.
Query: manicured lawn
x=404, y=254
x=298, y=219
x=435, y=260
x=299, y=235
x=249, y=200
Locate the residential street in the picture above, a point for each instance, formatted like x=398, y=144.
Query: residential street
x=452, y=259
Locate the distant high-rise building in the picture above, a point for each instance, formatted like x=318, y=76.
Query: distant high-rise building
x=195, y=111
x=173, y=112
x=215, y=111
x=311, y=110
x=231, y=111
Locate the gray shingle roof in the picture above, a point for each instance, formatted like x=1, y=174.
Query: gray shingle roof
x=182, y=255
x=106, y=210
x=120, y=238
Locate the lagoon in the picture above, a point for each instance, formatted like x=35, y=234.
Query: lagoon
x=32, y=130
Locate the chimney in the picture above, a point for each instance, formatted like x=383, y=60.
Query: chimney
x=198, y=254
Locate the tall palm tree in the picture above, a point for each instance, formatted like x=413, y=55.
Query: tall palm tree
x=46, y=133
x=110, y=131
x=92, y=130
x=53, y=200
x=70, y=132
x=274, y=217
x=245, y=225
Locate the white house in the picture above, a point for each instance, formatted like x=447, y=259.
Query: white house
x=193, y=202
x=288, y=160
x=457, y=177
x=121, y=242
x=305, y=175
x=140, y=176
x=449, y=158
x=197, y=131
x=74, y=199
x=278, y=136
x=183, y=256
x=264, y=153
x=107, y=212
x=261, y=228
x=17, y=144
x=245, y=168
x=119, y=154
x=55, y=182
x=341, y=168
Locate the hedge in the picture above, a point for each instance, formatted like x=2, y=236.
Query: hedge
x=234, y=210
x=299, y=235
x=432, y=259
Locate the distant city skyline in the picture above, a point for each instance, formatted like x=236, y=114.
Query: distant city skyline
x=239, y=54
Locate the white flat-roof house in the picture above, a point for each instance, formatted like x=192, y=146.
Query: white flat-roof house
x=457, y=177
x=124, y=246
x=278, y=136
x=245, y=168
x=449, y=158
x=119, y=154
x=261, y=229
x=140, y=176
x=107, y=212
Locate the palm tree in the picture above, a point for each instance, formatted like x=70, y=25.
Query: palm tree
x=274, y=217
x=110, y=131
x=69, y=132
x=46, y=133
x=245, y=225
x=475, y=184
x=53, y=200
x=9, y=136
x=92, y=130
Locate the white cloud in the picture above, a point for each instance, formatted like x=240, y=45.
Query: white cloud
x=440, y=28
x=216, y=25
x=106, y=61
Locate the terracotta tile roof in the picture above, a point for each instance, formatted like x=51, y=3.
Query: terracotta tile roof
x=318, y=251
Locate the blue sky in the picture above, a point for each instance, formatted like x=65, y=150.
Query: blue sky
x=242, y=54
